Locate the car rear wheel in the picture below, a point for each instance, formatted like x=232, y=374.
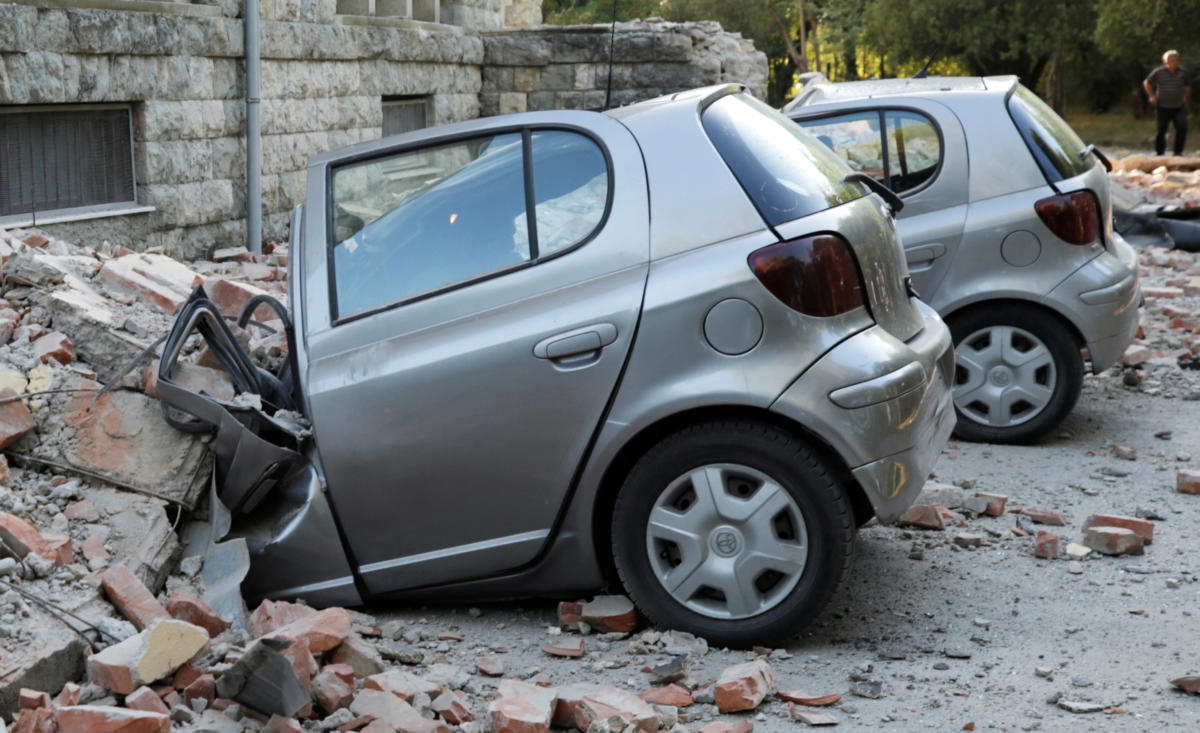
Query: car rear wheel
x=735, y=531
x=1018, y=372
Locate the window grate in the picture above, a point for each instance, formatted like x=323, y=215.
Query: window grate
x=56, y=159
x=404, y=115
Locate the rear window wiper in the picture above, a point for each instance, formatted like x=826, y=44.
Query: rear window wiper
x=1093, y=150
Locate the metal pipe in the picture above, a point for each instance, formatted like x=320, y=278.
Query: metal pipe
x=253, y=131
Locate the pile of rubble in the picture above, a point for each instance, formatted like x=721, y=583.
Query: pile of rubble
x=1159, y=180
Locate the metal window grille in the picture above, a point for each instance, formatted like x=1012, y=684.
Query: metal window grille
x=64, y=158
x=404, y=115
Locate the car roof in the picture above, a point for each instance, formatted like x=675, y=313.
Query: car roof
x=824, y=92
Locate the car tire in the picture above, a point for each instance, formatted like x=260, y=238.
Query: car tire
x=1018, y=373
x=751, y=503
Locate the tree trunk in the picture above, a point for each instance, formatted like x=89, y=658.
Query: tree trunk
x=1054, y=85
x=816, y=41
x=803, y=35
x=798, y=60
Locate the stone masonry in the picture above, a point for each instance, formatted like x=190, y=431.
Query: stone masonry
x=325, y=77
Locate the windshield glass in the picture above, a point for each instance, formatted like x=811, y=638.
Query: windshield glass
x=787, y=173
x=1053, y=143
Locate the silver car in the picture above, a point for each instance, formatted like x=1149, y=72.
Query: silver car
x=1007, y=230
x=670, y=344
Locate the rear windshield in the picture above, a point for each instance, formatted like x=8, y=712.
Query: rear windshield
x=786, y=172
x=1053, y=143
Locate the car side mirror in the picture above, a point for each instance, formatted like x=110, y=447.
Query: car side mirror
x=894, y=202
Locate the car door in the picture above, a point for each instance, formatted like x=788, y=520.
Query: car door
x=920, y=153
x=473, y=297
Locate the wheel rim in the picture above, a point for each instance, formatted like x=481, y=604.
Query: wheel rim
x=727, y=541
x=1004, y=376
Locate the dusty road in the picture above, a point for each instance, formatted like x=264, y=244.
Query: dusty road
x=959, y=636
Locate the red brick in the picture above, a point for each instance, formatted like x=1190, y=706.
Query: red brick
x=28, y=699
x=331, y=691
x=801, y=697
x=130, y=597
x=272, y=615
x=569, y=615
x=323, y=630
x=1048, y=518
x=186, y=675
x=230, y=297
x=395, y=712
x=203, y=687
x=490, y=666
x=35, y=721
x=143, y=698
x=213, y=382
x=1045, y=545
x=521, y=708
x=36, y=240
x=1187, y=481
x=15, y=419
x=279, y=724
x=402, y=684
x=565, y=648
x=452, y=708
x=25, y=538
x=812, y=717
x=1140, y=527
x=195, y=611
x=82, y=511
x=232, y=254
x=1161, y=292
x=996, y=503
x=743, y=686
x=449, y=636
x=359, y=654
x=610, y=613
x=741, y=726
x=103, y=719
x=344, y=672
x=151, y=655
x=566, y=702
x=155, y=279
x=56, y=346
x=672, y=694
x=922, y=516
x=608, y=702
x=1113, y=541
x=68, y=695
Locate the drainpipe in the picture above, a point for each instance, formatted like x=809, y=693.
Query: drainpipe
x=253, y=132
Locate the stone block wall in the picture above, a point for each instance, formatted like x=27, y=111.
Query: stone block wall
x=324, y=78
x=566, y=67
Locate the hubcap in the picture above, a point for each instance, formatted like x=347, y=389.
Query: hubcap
x=1004, y=376
x=727, y=541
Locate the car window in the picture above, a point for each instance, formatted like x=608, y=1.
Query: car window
x=854, y=137
x=419, y=220
x=914, y=149
x=570, y=190
x=786, y=172
x=1053, y=143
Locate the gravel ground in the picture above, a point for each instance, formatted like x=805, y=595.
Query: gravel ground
x=958, y=637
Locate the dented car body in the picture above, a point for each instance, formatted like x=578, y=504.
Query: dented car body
x=528, y=351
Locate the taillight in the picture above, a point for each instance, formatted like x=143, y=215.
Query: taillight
x=817, y=276
x=1073, y=217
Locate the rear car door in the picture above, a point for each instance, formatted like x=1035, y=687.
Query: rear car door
x=470, y=303
x=918, y=151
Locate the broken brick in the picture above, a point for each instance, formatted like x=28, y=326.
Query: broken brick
x=82, y=511
x=331, y=691
x=923, y=516
x=104, y=719
x=68, y=695
x=452, y=709
x=230, y=297
x=521, y=708
x=1190, y=685
x=565, y=648
x=491, y=666
x=608, y=702
x=40, y=720
x=449, y=636
x=1187, y=481
x=15, y=418
x=968, y=539
x=359, y=654
x=28, y=699
x=803, y=698
x=1141, y=527
x=203, y=687
x=280, y=724
x=1045, y=545
x=741, y=726
x=195, y=611
x=812, y=717
x=25, y=538
x=743, y=686
x=995, y=503
x=569, y=615
x=272, y=615
x=1048, y=518
x=395, y=712
x=566, y=702
x=143, y=698
x=131, y=598
x=150, y=655
x=194, y=377
x=672, y=695
x=54, y=345
x=610, y=613
x=323, y=630
x=1113, y=540
x=401, y=684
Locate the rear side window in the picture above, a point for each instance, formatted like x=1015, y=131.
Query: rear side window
x=1054, y=145
x=786, y=172
x=913, y=149
x=422, y=220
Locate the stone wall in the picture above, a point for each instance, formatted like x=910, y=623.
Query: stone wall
x=324, y=78
x=566, y=67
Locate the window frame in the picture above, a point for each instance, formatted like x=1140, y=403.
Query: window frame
x=37, y=216
x=882, y=111
x=407, y=99
x=1049, y=170
x=536, y=258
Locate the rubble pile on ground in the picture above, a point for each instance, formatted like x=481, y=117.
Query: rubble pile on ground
x=1164, y=357
x=1156, y=181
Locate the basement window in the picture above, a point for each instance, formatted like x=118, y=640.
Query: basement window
x=404, y=114
x=64, y=162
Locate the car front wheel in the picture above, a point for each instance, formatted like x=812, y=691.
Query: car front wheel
x=1018, y=372
x=735, y=531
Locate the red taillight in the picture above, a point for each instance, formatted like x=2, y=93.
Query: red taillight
x=1073, y=217
x=817, y=275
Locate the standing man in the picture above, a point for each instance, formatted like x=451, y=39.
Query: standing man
x=1169, y=91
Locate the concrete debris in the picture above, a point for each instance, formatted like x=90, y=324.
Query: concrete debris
x=812, y=717
x=263, y=679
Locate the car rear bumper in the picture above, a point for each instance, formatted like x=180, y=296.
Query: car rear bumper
x=883, y=405
x=1103, y=299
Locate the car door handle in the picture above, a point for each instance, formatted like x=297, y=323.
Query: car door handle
x=924, y=252
x=576, y=341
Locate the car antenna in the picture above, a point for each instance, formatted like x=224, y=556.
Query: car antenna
x=612, y=41
x=925, y=69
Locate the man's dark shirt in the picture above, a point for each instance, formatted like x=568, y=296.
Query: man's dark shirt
x=1168, y=87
